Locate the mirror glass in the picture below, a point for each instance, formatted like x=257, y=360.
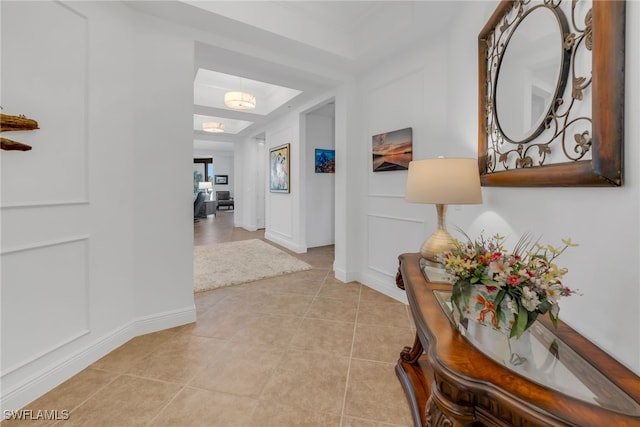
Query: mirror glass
x=527, y=79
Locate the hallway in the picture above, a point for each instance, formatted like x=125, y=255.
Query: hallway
x=302, y=349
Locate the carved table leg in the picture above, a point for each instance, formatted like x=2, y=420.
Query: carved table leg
x=412, y=354
x=399, y=279
x=442, y=412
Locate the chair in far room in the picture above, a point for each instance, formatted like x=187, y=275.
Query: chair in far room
x=224, y=199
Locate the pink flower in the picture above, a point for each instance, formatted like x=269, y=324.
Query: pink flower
x=513, y=280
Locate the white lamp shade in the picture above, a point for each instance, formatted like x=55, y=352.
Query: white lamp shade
x=213, y=127
x=205, y=185
x=447, y=181
x=239, y=100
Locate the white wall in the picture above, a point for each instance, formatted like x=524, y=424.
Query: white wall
x=249, y=163
x=163, y=122
x=85, y=265
x=442, y=109
x=604, y=221
x=286, y=213
x=283, y=209
x=406, y=92
x=320, y=205
x=351, y=170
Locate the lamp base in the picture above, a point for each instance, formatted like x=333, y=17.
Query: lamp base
x=437, y=243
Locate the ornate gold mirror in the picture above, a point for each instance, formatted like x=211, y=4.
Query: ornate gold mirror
x=551, y=94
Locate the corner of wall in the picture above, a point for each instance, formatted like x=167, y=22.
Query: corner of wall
x=46, y=379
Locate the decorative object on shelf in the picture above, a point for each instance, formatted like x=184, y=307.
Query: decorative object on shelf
x=563, y=126
x=239, y=100
x=213, y=127
x=452, y=381
x=207, y=187
x=392, y=151
x=221, y=179
x=480, y=321
x=506, y=290
x=10, y=123
x=442, y=181
x=325, y=160
x=279, y=164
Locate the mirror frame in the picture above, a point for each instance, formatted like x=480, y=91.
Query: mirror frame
x=605, y=168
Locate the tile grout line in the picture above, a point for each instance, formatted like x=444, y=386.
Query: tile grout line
x=353, y=340
x=151, y=421
x=260, y=395
x=119, y=374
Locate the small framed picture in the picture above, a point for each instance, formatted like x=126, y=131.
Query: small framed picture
x=221, y=179
x=325, y=160
x=279, y=169
x=392, y=151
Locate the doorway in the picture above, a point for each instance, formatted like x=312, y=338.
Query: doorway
x=319, y=136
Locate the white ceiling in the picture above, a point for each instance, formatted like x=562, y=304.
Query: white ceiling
x=288, y=52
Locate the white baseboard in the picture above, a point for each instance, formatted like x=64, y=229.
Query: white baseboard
x=344, y=275
x=384, y=286
x=320, y=243
x=299, y=249
x=248, y=227
x=36, y=384
x=166, y=320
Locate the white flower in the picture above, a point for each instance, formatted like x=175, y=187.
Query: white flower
x=553, y=292
x=530, y=299
x=499, y=267
x=512, y=306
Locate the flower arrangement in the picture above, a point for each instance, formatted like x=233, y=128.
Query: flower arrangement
x=527, y=279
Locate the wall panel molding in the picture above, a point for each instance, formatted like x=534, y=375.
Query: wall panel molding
x=395, y=218
x=418, y=70
x=43, y=353
x=46, y=244
x=52, y=279
x=51, y=86
x=386, y=196
x=388, y=237
x=32, y=205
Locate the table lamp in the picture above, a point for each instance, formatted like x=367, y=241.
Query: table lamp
x=207, y=186
x=442, y=181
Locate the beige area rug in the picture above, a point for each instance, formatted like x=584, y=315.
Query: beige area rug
x=225, y=264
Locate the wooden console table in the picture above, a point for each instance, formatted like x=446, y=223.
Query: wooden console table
x=450, y=382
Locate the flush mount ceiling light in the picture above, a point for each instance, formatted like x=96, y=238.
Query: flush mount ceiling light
x=240, y=100
x=216, y=127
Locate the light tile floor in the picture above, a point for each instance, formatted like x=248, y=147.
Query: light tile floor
x=302, y=349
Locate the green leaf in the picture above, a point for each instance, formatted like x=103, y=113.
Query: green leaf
x=554, y=320
x=456, y=297
x=465, y=290
x=533, y=315
x=497, y=303
x=520, y=325
x=544, y=307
